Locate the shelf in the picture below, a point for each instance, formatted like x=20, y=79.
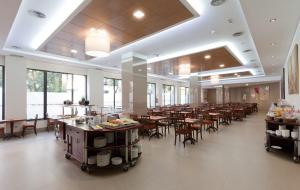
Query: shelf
x=109, y=147
x=280, y=137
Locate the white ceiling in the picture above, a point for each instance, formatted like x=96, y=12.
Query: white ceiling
x=249, y=16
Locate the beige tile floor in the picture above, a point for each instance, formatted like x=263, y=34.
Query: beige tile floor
x=233, y=158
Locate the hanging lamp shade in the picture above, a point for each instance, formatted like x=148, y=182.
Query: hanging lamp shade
x=184, y=70
x=97, y=43
x=214, y=79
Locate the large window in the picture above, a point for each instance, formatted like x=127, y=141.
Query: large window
x=1, y=92
x=112, y=93
x=184, y=95
x=151, y=95
x=47, y=91
x=168, y=95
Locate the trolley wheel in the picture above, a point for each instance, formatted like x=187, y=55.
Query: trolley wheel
x=132, y=163
x=125, y=168
x=88, y=170
x=268, y=149
x=67, y=156
x=296, y=159
x=83, y=167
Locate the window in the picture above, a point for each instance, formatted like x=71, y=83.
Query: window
x=168, y=95
x=2, y=92
x=35, y=93
x=46, y=92
x=113, y=93
x=59, y=89
x=151, y=95
x=184, y=95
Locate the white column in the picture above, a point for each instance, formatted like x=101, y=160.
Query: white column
x=15, y=87
x=95, y=87
x=195, y=91
x=134, y=83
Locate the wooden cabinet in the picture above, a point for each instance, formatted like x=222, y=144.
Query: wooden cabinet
x=75, y=143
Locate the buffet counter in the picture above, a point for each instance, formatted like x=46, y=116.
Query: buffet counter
x=103, y=145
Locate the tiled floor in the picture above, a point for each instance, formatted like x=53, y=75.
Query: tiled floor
x=233, y=158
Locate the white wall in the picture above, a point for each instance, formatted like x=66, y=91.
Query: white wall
x=293, y=99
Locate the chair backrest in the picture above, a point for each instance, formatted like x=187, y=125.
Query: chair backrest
x=35, y=120
x=133, y=117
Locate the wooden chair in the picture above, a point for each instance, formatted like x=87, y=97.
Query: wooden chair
x=30, y=125
x=180, y=128
x=1, y=131
x=133, y=117
x=51, y=123
x=198, y=127
x=148, y=127
x=207, y=122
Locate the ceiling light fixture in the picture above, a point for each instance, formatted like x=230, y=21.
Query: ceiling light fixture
x=235, y=74
x=273, y=20
x=138, y=14
x=247, y=84
x=184, y=69
x=74, y=51
x=217, y=2
x=247, y=50
x=222, y=65
x=97, y=43
x=273, y=44
x=36, y=13
x=273, y=56
x=212, y=32
x=207, y=56
x=214, y=79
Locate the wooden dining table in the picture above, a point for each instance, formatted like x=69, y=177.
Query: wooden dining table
x=156, y=120
x=215, y=115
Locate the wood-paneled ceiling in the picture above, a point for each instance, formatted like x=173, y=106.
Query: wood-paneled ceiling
x=197, y=61
x=116, y=17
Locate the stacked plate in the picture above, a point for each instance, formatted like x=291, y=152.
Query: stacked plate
x=100, y=142
x=92, y=160
x=103, y=158
x=285, y=133
x=139, y=147
x=116, y=161
x=134, y=152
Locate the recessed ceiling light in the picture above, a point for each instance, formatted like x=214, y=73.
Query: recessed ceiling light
x=73, y=51
x=139, y=70
x=273, y=44
x=237, y=34
x=212, y=32
x=273, y=56
x=138, y=14
x=247, y=84
x=222, y=65
x=235, y=74
x=36, y=13
x=207, y=56
x=273, y=20
x=217, y=2
x=230, y=21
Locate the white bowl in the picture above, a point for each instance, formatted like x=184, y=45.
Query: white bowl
x=100, y=142
x=294, y=135
x=116, y=161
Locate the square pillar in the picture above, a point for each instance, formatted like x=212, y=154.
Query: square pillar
x=195, y=91
x=134, y=83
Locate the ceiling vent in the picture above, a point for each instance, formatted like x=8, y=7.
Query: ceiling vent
x=247, y=50
x=237, y=34
x=36, y=13
x=217, y=2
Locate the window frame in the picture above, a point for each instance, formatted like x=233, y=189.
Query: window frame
x=45, y=102
x=152, y=83
x=114, y=85
x=164, y=86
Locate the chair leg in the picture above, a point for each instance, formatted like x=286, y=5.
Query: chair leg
x=35, y=130
x=175, y=139
x=23, y=132
x=201, y=132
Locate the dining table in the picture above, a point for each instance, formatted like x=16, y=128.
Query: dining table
x=156, y=119
x=215, y=116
